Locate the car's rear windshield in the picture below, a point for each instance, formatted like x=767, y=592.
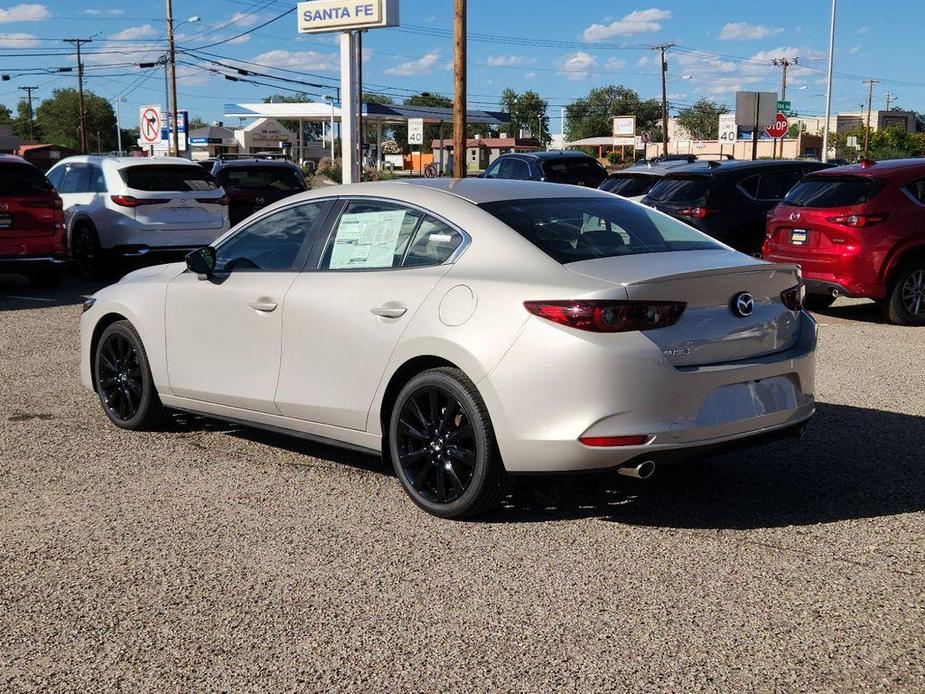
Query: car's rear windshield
x=628, y=185
x=164, y=178
x=573, y=229
x=679, y=188
x=22, y=179
x=572, y=167
x=831, y=191
x=278, y=177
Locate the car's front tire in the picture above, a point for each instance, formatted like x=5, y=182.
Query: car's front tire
x=906, y=302
x=123, y=379
x=443, y=445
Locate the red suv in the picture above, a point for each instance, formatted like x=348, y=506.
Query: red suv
x=857, y=231
x=32, y=228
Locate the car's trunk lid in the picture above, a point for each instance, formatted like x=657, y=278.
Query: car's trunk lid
x=710, y=330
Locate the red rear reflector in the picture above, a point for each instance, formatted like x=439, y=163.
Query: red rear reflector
x=605, y=441
x=857, y=221
x=606, y=316
x=130, y=201
x=695, y=212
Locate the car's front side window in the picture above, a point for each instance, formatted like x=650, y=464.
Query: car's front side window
x=76, y=179
x=370, y=235
x=272, y=243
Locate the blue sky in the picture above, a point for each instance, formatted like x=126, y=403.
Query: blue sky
x=561, y=50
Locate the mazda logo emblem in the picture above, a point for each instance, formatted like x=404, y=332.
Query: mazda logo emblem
x=260, y=201
x=743, y=304
x=794, y=216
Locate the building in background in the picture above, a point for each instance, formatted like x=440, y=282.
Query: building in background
x=9, y=142
x=44, y=156
x=482, y=151
x=263, y=135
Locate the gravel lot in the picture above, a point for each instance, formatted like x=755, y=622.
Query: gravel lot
x=212, y=557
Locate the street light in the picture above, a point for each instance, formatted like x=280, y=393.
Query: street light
x=329, y=98
x=119, y=100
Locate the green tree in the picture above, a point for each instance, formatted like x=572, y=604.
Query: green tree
x=592, y=116
x=5, y=116
x=527, y=110
x=21, y=124
x=195, y=122
x=59, y=119
x=429, y=99
x=431, y=132
x=702, y=119
x=311, y=130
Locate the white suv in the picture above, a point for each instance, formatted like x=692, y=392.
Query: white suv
x=130, y=207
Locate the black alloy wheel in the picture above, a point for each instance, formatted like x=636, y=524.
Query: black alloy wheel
x=85, y=249
x=123, y=379
x=443, y=446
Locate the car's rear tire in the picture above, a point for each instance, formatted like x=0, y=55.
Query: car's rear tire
x=819, y=302
x=123, y=379
x=906, y=302
x=443, y=445
x=85, y=250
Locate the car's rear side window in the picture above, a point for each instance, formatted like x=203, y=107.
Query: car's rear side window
x=679, y=188
x=22, y=179
x=628, y=185
x=164, y=178
x=574, y=229
x=832, y=191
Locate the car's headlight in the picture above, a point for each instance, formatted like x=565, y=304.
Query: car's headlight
x=88, y=303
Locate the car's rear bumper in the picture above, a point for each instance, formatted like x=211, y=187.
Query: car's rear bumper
x=25, y=263
x=542, y=400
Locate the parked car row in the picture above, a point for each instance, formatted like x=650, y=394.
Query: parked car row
x=96, y=210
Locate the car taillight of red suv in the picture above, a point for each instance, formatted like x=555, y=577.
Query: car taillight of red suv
x=857, y=231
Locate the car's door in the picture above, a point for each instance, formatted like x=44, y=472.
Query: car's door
x=341, y=322
x=223, y=332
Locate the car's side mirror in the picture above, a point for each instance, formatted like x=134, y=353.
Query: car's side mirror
x=201, y=261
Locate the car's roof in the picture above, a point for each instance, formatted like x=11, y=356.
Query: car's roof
x=552, y=154
x=229, y=163
x=722, y=168
x=13, y=159
x=660, y=169
x=125, y=162
x=481, y=190
x=877, y=169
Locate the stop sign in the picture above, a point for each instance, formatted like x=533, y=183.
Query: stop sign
x=779, y=129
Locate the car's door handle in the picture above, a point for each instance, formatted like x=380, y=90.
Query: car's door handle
x=389, y=311
x=264, y=305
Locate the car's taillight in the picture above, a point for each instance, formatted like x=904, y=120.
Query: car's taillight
x=857, y=221
x=130, y=201
x=601, y=441
x=50, y=203
x=606, y=316
x=695, y=212
x=223, y=201
x=794, y=297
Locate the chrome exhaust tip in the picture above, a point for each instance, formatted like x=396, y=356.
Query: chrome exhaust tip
x=641, y=471
x=835, y=293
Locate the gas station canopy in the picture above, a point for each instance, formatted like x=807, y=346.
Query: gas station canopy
x=387, y=113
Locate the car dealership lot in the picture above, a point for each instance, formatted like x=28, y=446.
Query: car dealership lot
x=216, y=557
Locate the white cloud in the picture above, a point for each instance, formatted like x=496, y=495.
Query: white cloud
x=307, y=60
x=576, y=66
x=854, y=49
x=530, y=76
x=139, y=32
x=97, y=13
x=638, y=22
x=241, y=20
x=24, y=13
x=18, y=40
x=614, y=64
x=863, y=30
x=509, y=60
x=740, y=31
x=243, y=38
x=421, y=66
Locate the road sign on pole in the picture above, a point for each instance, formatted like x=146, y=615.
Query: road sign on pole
x=756, y=108
x=415, y=131
x=624, y=126
x=149, y=124
x=779, y=129
x=728, y=130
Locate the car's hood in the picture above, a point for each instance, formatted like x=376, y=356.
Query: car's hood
x=154, y=273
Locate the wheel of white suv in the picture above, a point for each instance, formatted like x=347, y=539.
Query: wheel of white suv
x=906, y=303
x=443, y=446
x=85, y=250
x=123, y=379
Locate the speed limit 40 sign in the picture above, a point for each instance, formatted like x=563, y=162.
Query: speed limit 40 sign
x=728, y=130
x=415, y=131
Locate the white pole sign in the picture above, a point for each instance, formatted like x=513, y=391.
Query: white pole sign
x=318, y=16
x=415, y=131
x=728, y=130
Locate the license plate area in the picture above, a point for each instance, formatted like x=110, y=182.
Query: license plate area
x=798, y=237
x=748, y=400
x=6, y=220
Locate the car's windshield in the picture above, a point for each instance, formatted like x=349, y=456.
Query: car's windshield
x=831, y=191
x=573, y=229
x=628, y=185
x=679, y=188
x=168, y=178
x=19, y=179
x=282, y=178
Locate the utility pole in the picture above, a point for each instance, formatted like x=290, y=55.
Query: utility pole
x=80, y=93
x=172, y=57
x=28, y=91
x=870, y=97
x=662, y=48
x=889, y=96
x=459, y=89
x=828, y=86
x=784, y=63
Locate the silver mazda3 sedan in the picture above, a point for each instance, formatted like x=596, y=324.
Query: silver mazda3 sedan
x=467, y=330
